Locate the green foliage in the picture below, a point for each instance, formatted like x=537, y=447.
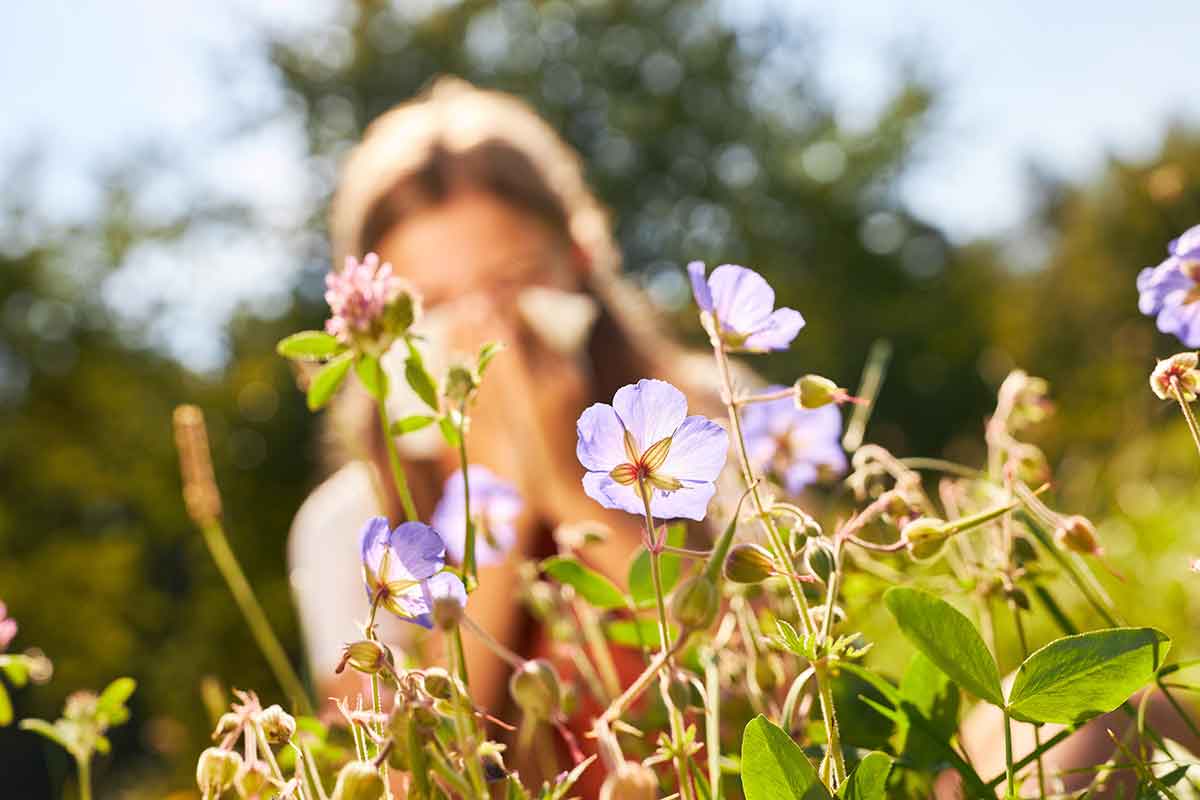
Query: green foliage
x=593, y=587
x=641, y=583
x=420, y=380
x=411, y=423
x=372, y=376
x=948, y=639
x=774, y=767
x=328, y=380
x=1078, y=677
x=869, y=779
x=309, y=346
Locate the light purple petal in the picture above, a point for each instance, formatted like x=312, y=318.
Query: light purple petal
x=777, y=333
x=799, y=475
x=494, y=501
x=1154, y=284
x=601, y=444
x=1188, y=242
x=610, y=494
x=418, y=552
x=1183, y=321
x=650, y=410
x=698, y=451
x=742, y=298
x=374, y=542
x=700, y=286
x=444, y=584
x=690, y=502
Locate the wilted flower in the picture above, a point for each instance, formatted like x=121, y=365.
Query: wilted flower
x=1170, y=290
x=8, y=628
x=368, y=302
x=742, y=304
x=795, y=443
x=1179, y=369
x=402, y=570
x=495, y=506
x=645, y=442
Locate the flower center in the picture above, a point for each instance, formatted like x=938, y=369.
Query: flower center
x=644, y=468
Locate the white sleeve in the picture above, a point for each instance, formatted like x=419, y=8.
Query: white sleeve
x=324, y=564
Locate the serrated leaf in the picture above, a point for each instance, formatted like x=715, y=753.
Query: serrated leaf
x=411, y=423
x=641, y=583
x=309, y=346
x=1079, y=677
x=593, y=587
x=790, y=640
x=326, y=382
x=370, y=373
x=774, y=767
x=948, y=639
x=869, y=779
x=420, y=380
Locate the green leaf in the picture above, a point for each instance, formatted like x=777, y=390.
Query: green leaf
x=774, y=767
x=116, y=693
x=46, y=729
x=449, y=431
x=869, y=780
x=928, y=689
x=640, y=633
x=593, y=587
x=6, y=710
x=486, y=353
x=412, y=423
x=641, y=583
x=16, y=668
x=309, y=346
x=1079, y=677
x=326, y=382
x=948, y=639
x=420, y=380
x=373, y=378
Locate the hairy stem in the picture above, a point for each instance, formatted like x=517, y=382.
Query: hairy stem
x=469, y=567
x=398, y=476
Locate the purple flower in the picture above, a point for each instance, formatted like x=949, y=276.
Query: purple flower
x=8, y=628
x=495, y=506
x=645, y=442
x=741, y=304
x=1171, y=289
x=794, y=443
x=402, y=569
x=359, y=297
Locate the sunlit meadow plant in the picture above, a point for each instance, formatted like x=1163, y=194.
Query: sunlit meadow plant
x=756, y=681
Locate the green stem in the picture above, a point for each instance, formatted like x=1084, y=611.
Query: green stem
x=463, y=722
x=712, y=722
x=778, y=545
x=85, y=778
x=1037, y=742
x=398, y=476
x=1188, y=416
x=469, y=567
x=256, y=618
x=1010, y=780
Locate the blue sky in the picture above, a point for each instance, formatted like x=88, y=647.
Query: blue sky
x=1063, y=83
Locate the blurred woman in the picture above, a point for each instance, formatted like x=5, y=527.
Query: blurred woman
x=478, y=203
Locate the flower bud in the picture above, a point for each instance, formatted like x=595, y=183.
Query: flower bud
x=216, y=770
x=1179, y=369
x=447, y=612
x=814, y=391
x=425, y=718
x=227, y=724
x=461, y=383
x=366, y=656
x=253, y=781
x=924, y=537
x=277, y=725
x=438, y=683
x=630, y=781
x=535, y=688
x=358, y=780
x=818, y=559
x=695, y=603
x=682, y=691
x=541, y=598
x=1031, y=465
x=1078, y=535
x=749, y=563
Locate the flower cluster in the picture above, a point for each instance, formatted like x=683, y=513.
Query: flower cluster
x=799, y=445
x=368, y=302
x=1169, y=291
x=403, y=570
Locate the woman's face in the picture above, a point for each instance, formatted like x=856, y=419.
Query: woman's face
x=476, y=244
